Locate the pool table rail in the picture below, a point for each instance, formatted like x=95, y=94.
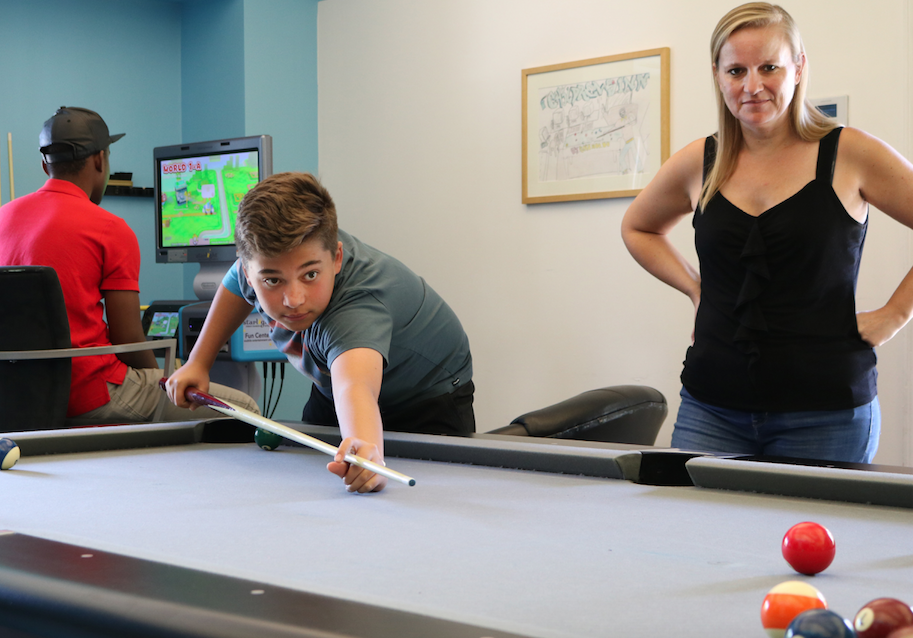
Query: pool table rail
x=50, y=589
x=856, y=483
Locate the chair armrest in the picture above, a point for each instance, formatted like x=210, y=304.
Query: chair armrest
x=169, y=345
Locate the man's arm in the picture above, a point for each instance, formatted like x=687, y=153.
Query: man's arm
x=227, y=313
x=357, y=376
x=126, y=326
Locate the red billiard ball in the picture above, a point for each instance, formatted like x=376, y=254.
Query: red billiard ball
x=809, y=548
x=786, y=601
x=903, y=632
x=880, y=617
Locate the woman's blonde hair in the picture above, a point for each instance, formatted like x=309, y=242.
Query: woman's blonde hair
x=807, y=121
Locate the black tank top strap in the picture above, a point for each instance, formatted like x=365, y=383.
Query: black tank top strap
x=709, y=156
x=827, y=156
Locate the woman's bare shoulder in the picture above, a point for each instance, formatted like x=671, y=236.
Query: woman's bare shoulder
x=687, y=162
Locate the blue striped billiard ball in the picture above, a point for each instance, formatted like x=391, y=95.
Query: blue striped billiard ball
x=9, y=454
x=820, y=623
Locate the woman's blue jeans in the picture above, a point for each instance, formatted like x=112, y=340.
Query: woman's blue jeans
x=834, y=435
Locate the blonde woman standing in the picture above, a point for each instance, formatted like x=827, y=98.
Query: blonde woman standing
x=781, y=363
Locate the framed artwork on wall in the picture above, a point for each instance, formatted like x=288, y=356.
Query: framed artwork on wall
x=596, y=128
x=835, y=107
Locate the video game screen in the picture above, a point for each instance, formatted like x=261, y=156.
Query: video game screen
x=164, y=324
x=201, y=195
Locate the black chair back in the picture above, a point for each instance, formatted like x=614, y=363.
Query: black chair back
x=631, y=414
x=33, y=394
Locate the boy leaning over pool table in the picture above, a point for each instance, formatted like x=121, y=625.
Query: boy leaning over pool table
x=383, y=349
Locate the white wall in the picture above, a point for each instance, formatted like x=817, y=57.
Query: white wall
x=419, y=125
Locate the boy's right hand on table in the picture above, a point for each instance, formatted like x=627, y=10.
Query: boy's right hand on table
x=358, y=479
x=188, y=375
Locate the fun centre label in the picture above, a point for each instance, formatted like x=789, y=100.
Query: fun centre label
x=201, y=196
x=256, y=335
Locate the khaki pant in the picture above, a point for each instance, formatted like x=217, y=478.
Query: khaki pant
x=136, y=399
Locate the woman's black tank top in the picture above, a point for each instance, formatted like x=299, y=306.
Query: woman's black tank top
x=776, y=327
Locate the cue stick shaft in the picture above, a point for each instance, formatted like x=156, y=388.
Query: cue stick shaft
x=9, y=152
x=229, y=409
x=304, y=439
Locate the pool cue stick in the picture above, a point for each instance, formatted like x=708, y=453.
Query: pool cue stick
x=236, y=411
x=9, y=153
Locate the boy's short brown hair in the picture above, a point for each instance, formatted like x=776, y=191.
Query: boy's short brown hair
x=281, y=213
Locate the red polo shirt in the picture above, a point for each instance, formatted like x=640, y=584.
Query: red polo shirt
x=92, y=250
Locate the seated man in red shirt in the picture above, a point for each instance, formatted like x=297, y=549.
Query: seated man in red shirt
x=97, y=259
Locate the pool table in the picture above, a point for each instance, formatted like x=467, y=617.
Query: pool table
x=189, y=529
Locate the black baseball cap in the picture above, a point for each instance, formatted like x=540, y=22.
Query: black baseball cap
x=73, y=134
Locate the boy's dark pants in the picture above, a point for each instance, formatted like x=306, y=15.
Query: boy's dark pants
x=446, y=414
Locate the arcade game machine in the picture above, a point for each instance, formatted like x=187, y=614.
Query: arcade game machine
x=198, y=189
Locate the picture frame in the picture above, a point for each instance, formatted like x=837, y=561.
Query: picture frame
x=596, y=128
x=835, y=107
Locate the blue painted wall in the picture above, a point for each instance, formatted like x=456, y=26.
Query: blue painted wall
x=162, y=72
x=120, y=59
x=280, y=68
x=212, y=69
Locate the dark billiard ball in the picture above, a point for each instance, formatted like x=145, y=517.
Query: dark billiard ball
x=786, y=601
x=820, y=623
x=809, y=548
x=266, y=439
x=880, y=617
x=9, y=454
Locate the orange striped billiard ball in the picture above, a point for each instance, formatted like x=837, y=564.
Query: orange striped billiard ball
x=786, y=601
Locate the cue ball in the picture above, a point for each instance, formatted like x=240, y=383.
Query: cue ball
x=267, y=440
x=786, y=601
x=809, y=548
x=9, y=454
x=880, y=617
x=820, y=623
